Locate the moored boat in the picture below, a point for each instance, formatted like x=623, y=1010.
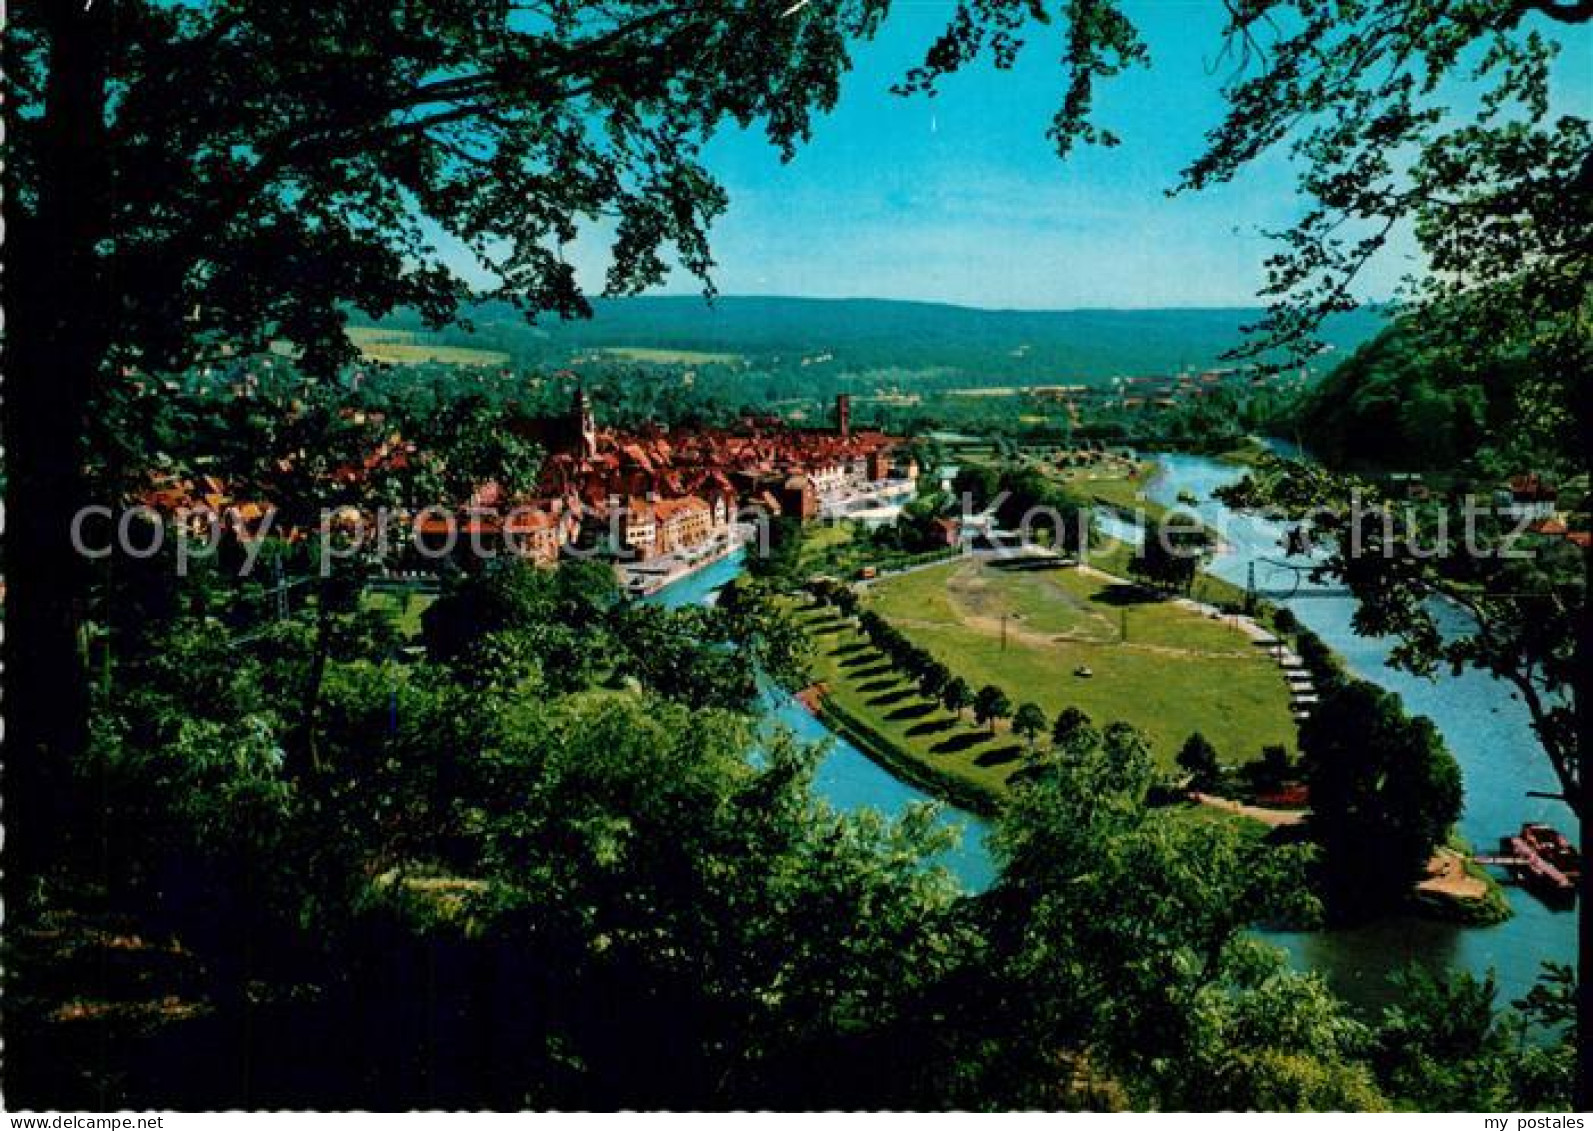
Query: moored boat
x=1542, y=860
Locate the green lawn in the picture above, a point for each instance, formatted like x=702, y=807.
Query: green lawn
x=1178, y=672
x=1113, y=557
x=1051, y=603
x=1113, y=489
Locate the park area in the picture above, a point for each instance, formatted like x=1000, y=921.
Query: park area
x=1059, y=637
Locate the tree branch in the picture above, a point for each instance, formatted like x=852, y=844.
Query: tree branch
x=1577, y=12
x=1568, y=774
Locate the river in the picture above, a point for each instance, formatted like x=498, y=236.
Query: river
x=1485, y=727
x=847, y=778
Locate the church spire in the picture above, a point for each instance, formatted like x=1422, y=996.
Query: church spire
x=584, y=423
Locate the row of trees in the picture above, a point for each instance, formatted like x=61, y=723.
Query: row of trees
x=935, y=681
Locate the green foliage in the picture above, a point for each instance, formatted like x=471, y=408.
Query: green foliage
x=957, y=696
x=467, y=441
x=1024, y=498
x=1172, y=553
x=749, y=618
x=934, y=680
x=1417, y=398
x=473, y=121
x=915, y=530
x=607, y=900
x=1272, y=771
x=1444, y=1046
x=563, y=630
x=990, y=704
x=559, y=621
x=1198, y=758
x=649, y=851
x=1204, y=1018
x=1384, y=793
x=1073, y=731
x=1029, y=721
x=781, y=566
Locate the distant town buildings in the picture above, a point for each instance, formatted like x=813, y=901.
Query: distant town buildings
x=655, y=491
x=634, y=496
x=1530, y=497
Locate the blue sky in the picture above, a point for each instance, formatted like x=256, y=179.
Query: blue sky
x=961, y=198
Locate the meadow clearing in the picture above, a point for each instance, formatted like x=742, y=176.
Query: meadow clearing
x=1031, y=629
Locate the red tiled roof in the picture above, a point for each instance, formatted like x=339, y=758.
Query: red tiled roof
x=1532, y=487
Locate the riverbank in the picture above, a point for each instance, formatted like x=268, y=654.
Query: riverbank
x=848, y=777
x=1047, y=633
x=1168, y=667
x=1459, y=891
x=970, y=796
x=1488, y=731
x=644, y=579
x=1454, y=890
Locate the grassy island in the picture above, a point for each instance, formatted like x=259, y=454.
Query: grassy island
x=1035, y=632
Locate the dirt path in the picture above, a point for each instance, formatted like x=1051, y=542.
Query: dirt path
x=1447, y=875
x=1018, y=634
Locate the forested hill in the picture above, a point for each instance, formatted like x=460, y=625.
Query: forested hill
x=1412, y=400
x=868, y=334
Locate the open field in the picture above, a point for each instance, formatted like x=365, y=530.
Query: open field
x=399, y=347
x=1112, y=556
x=1177, y=672
x=655, y=356
x=1048, y=607
x=1112, y=487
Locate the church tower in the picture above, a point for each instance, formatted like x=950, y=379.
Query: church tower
x=843, y=415
x=584, y=424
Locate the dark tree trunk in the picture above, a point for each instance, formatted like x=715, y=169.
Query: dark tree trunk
x=1582, y=701
x=54, y=349
x=304, y=754
x=1583, y=693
